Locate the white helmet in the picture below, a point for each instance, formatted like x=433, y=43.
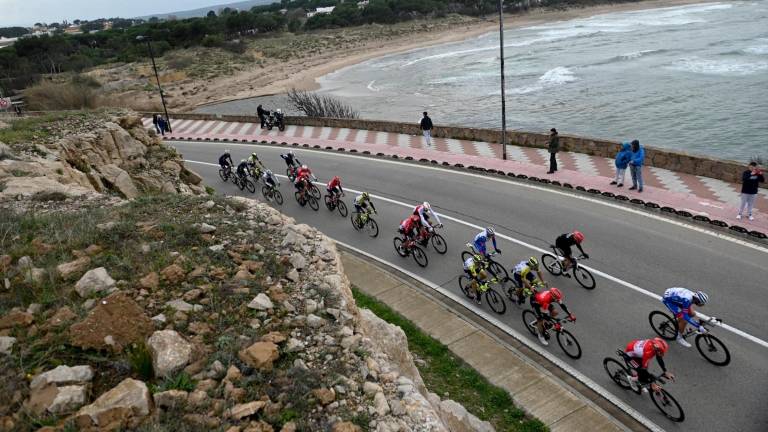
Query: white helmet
x=242, y=160
x=304, y=167
x=701, y=297
x=427, y=206
x=226, y=151
x=279, y=111
x=290, y=152
x=269, y=173
x=490, y=231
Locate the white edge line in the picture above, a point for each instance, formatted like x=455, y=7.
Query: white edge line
x=542, y=250
x=515, y=334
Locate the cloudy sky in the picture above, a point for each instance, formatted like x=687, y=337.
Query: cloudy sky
x=27, y=12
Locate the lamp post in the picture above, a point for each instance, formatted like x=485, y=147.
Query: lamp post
x=503, y=98
x=148, y=40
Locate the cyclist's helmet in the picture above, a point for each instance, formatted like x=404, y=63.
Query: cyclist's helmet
x=279, y=111
x=337, y=178
x=365, y=195
x=490, y=231
x=226, y=151
x=701, y=298
x=290, y=152
x=556, y=294
x=427, y=206
x=254, y=155
x=578, y=236
x=242, y=160
x=303, y=167
x=533, y=263
x=661, y=345
x=269, y=173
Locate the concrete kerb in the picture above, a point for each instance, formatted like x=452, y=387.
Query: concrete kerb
x=553, y=370
x=756, y=237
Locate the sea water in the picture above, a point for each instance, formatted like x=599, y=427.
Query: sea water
x=691, y=78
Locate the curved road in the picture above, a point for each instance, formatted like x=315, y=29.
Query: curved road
x=638, y=253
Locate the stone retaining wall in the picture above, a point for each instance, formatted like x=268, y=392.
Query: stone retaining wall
x=729, y=171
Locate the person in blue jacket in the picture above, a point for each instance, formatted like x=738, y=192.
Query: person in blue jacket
x=622, y=162
x=636, y=166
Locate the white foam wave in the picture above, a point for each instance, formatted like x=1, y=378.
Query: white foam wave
x=557, y=76
x=638, y=54
x=373, y=88
x=760, y=49
x=718, y=67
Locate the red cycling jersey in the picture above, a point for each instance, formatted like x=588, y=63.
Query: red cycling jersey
x=303, y=172
x=544, y=298
x=641, y=349
x=410, y=223
x=335, y=182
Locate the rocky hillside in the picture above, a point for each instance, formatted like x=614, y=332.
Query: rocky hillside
x=81, y=155
x=176, y=312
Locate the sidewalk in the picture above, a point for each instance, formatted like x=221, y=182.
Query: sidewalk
x=532, y=388
x=698, y=195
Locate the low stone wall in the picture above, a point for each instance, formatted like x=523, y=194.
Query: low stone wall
x=729, y=171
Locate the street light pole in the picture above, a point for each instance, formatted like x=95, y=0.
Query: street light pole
x=148, y=40
x=503, y=97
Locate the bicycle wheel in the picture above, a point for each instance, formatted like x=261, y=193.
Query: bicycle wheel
x=552, y=264
x=277, y=196
x=249, y=186
x=617, y=371
x=465, y=255
x=663, y=325
x=329, y=202
x=495, y=301
x=224, y=174
x=713, y=349
x=342, y=208
x=302, y=202
x=315, y=191
x=240, y=183
x=510, y=288
x=289, y=174
x=668, y=405
x=355, y=219
x=497, y=269
x=464, y=283
x=313, y=204
x=398, y=242
x=569, y=344
x=584, y=277
x=372, y=228
x=265, y=192
x=529, y=319
x=419, y=256
x=439, y=244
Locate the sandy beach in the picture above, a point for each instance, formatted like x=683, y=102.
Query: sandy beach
x=302, y=74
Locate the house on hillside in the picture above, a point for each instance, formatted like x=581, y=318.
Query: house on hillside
x=362, y=4
x=321, y=11
x=72, y=29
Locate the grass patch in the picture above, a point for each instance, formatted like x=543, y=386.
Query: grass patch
x=28, y=129
x=444, y=372
x=180, y=381
x=141, y=361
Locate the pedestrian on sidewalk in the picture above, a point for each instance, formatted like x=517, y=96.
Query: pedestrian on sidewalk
x=622, y=162
x=554, y=147
x=260, y=112
x=636, y=166
x=750, y=182
x=161, y=124
x=154, y=122
x=426, y=128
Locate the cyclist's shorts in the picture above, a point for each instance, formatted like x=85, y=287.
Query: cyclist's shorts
x=562, y=244
x=676, y=309
x=358, y=208
x=519, y=279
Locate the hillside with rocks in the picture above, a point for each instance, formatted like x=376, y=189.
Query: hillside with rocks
x=178, y=311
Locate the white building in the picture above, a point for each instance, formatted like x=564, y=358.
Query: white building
x=321, y=11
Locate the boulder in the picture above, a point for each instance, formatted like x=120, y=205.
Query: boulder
x=56, y=400
x=190, y=176
x=73, y=268
x=241, y=411
x=380, y=404
x=170, y=352
x=93, y=281
x=114, y=323
x=346, y=427
x=151, y=281
x=130, y=398
x=298, y=261
x=6, y=344
x=182, y=306
x=173, y=274
x=261, y=302
x=457, y=418
x=260, y=355
x=119, y=180
x=30, y=186
x=170, y=398
x=205, y=228
x=62, y=316
x=16, y=319
x=63, y=375
x=293, y=275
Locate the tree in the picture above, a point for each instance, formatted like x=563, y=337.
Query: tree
x=211, y=14
x=12, y=32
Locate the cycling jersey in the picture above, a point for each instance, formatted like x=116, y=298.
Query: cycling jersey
x=225, y=159
x=471, y=266
x=362, y=203
x=242, y=169
x=409, y=225
x=480, y=241
x=253, y=160
x=424, y=214
x=521, y=272
x=678, y=301
x=543, y=301
x=564, y=243
x=335, y=184
x=644, y=350
x=270, y=179
x=290, y=160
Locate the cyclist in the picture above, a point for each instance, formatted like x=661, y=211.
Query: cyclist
x=524, y=277
x=291, y=161
x=254, y=163
x=477, y=275
x=680, y=302
x=305, y=172
x=242, y=169
x=481, y=239
x=362, y=202
x=270, y=179
x=565, y=242
x=542, y=304
x=408, y=227
x=334, y=187
x=644, y=350
x=225, y=161
x=423, y=211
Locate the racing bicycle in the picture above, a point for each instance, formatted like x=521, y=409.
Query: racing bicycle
x=709, y=346
x=364, y=221
x=554, y=263
x=491, y=295
x=486, y=261
x=334, y=202
x=405, y=247
x=565, y=339
x=272, y=193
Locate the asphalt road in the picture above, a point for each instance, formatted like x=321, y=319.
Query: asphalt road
x=631, y=247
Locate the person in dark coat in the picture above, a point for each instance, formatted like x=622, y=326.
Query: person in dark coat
x=554, y=147
x=161, y=124
x=154, y=122
x=260, y=112
x=426, y=128
x=750, y=183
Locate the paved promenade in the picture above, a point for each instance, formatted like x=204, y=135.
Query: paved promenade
x=698, y=195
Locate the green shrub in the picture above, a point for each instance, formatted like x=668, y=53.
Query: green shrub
x=141, y=361
x=180, y=381
x=213, y=41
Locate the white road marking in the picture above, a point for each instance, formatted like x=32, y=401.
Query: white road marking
x=671, y=180
x=596, y=272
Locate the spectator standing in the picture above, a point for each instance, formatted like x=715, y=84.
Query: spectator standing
x=554, y=147
x=161, y=124
x=155, y=122
x=260, y=112
x=636, y=166
x=426, y=128
x=17, y=108
x=622, y=162
x=750, y=182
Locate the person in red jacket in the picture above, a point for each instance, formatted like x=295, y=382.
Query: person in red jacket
x=409, y=227
x=334, y=187
x=304, y=178
x=542, y=304
x=645, y=350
